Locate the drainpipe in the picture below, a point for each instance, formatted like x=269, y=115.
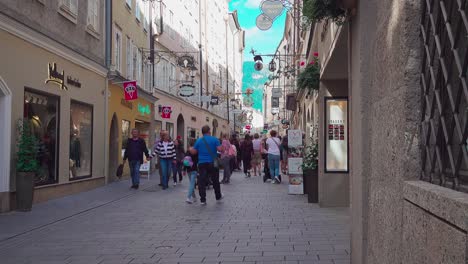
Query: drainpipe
x=108, y=52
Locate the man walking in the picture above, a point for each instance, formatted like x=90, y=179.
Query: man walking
x=206, y=147
x=134, y=151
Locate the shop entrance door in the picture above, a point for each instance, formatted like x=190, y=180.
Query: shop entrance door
x=5, y=136
x=113, y=149
x=181, y=127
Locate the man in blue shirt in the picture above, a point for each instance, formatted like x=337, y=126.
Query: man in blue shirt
x=206, y=147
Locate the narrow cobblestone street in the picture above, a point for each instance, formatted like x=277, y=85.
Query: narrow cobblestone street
x=256, y=222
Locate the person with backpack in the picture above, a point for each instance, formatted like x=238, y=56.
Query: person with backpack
x=206, y=147
x=274, y=154
x=226, y=158
x=190, y=163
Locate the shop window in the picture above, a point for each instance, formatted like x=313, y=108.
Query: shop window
x=143, y=128
x=170, y=129
x=81, y=140
x=125, y=133
x=42, y=111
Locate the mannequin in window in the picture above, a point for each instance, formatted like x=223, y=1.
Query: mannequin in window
x=75, y=150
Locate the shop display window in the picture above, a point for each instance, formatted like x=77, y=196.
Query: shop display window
x=125, y=133
x=42, y=111
x=81, y=140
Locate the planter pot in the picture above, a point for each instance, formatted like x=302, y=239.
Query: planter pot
x=347, y=4
x=311, y=185
x=24, y=191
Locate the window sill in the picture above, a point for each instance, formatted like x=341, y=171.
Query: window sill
x=68, y=14
x=90, y=30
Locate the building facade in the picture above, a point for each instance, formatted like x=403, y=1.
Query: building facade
x=55, y=81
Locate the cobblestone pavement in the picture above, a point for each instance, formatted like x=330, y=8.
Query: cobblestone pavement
x=256, y=222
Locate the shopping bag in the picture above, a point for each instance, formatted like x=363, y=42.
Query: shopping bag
x=119, y=171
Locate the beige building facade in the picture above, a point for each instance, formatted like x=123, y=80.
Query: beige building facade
x=57, y=90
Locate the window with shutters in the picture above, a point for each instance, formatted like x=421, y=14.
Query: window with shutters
x=69, y=9
x=93, y=15
x=129, y=59
x=117, y=49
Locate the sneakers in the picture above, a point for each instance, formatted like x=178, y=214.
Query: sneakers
x=268, y=180
x=135, y=187
x=220, y=198
x=203, y=203
x=189, y=201
x=175, y=184
x=277, y=179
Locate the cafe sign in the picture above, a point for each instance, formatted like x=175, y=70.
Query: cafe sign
x=57, y=77
x=186, y=90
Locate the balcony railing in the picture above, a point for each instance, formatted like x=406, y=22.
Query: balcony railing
x=444, y=120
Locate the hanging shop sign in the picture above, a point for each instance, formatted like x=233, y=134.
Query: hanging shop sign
x=130, y=90
x=291, y=102
x=336, y=147
x=56, y=77
x=214, y=100
x=272, y=8
x=276, y=92
x=144, y=109
x=248, y=127
x=274, y=102
x=263, y=22
x=186, y=90
x=236, y=111
x=275, y=110
x=248, y=101
x=166, y=112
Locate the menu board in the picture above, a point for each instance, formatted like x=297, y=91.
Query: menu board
x=336, y=152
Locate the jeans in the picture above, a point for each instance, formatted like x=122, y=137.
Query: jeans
x=135, y=171
x=191, y=190
x=273, y=163
x=226, y=163
x=208, y=170
x=165, y=168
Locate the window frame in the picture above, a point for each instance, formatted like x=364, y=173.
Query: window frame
x=118, y=32
x=69, y=9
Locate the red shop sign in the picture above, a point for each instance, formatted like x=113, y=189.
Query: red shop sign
x=166, y=112
x=130, y=90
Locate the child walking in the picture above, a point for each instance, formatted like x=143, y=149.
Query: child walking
x=190, y=163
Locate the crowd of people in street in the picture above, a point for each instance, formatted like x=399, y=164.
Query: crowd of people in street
x=205, y=157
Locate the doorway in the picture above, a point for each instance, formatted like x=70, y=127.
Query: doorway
x=113, y=148
x=181, y=127
x=5, y=136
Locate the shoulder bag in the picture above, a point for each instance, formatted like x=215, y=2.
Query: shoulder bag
x=215, y=157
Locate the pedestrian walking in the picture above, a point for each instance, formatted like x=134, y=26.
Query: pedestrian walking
x=190, y=163
x=165, y=150
x=226, y=158
x=257, y=155
x=161, y=133
x=236, y=143
x=180, y=154
x=247, y=153
x=274, y=154
x=134, y=151
x=284, y=154
x=206, y=147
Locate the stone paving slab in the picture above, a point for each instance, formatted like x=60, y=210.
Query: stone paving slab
x=255, y=223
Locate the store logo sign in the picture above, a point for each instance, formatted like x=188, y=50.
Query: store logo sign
x=56, y=77
x=130, y=90
x=144, y=109
x=186, y=90
x=166, y=112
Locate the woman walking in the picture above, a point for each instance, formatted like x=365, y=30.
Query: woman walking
x=165, y=149
x=273, y=145
x=247, y=153
x=257, y=155
x=226, y=158
x=190, y=164
x=180, y=154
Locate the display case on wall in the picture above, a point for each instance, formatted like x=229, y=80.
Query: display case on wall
x=336, y=135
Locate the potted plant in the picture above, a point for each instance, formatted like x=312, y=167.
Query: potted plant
x=318, y=10
x=26, y=166
x=310, y=77
x=310, y=169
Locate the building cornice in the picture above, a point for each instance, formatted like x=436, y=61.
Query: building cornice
x=42, y=41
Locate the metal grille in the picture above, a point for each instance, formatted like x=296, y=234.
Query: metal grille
x=444, y=126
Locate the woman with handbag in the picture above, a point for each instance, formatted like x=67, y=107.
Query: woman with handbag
x=274, y=155
x=247, y=153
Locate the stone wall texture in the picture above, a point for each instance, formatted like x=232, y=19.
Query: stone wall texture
x=387, y=227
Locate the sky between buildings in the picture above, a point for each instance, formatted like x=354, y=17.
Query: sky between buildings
x=263, y=42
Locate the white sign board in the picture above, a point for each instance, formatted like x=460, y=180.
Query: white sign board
x=145, y=167
x=294, y=138
x=186, y=90
x=276, y=92
x=275, y=110
x=237, y=111
x=206, y=98
x=336, y=147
